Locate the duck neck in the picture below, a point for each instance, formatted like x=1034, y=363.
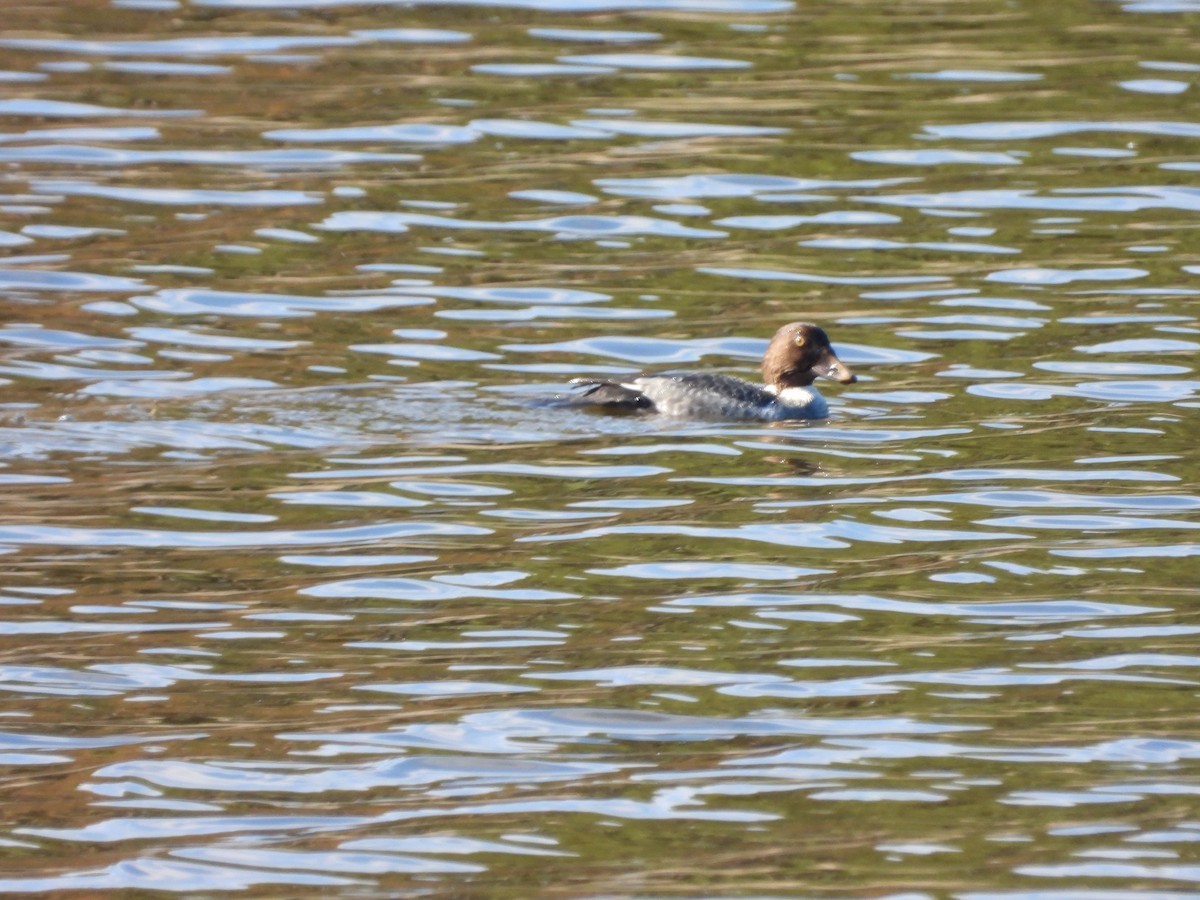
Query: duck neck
x=779, y=378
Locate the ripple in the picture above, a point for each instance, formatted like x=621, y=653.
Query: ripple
x=776, y=606
x=902, y=397
x=682, y=209
x=936, y=157
x=353, y=559
x=449, y=844
x=204, y=515
x=654, y=61
x=590, y=35
x=741, y=571
x=566, y=198
x=1130, y=199
x=530, y=313
x=963, y=371
x=1043, y=499
x=1154, y=85
x=437, y=589
x=587, y=471
x=838, y=534
x=8, y=76
x=580, y=226
x=299, y=863
x=199, y=45
x=8, y=239
x=1088, y=523
x=62, y=109
x=669, y=130
x=413, y=35
x=441, y=352
x=364, y=499
x=852, y=244
x=970, y=474
x=648, y=351
x=628, y=676
x=1039, y=275
x=34, y=440
x=65, y=536
x=1095, y=152
x=833, y=217
x=312, y=778
x=74, y=154
x=1113, y=391
x=691, y=187
x=984, y=75
x=151, y=873
x=1166, y=551
x=1008, y=131
x=446, y=688
x=116, y=680
x=548, y=296
x=52, y=339
x=286, y=234
x=539, y=70
x=65, y=682
x=545, y=131
x=1124, y=660
x=26, y=741
x=201, y=301
x=401, y=133
x=172, y=389
x=37, y=280
x=57, y=627
x=11, y=478
x=778, y=275
x=1109, y=367
x=181, y=196
x=64, y=232
x=528, y=730
x=1141, y=345
x=166, y=68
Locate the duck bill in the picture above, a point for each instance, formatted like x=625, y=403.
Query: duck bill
x=829, y=366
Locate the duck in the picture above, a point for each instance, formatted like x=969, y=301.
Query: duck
x=796, y=355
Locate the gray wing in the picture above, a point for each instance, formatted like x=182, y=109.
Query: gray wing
x=690, y=396
x=708, y=396
x=728, y=387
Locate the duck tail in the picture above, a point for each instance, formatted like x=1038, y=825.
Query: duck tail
x=611, y=396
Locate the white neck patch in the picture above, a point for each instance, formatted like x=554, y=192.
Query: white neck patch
x=801, y=402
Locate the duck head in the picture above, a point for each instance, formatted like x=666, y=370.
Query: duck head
x=797, y=354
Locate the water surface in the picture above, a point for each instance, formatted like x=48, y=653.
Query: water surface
x=308, y=587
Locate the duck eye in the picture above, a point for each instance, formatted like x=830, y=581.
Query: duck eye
x=801, y=340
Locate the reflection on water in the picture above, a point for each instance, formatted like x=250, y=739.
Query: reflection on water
x=311, y=583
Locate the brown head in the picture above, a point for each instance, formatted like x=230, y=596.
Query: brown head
x=799, y=352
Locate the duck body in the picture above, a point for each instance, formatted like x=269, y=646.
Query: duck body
x=696, y=395
x=797, y=354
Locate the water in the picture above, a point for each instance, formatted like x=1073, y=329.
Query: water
x=308, y=588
